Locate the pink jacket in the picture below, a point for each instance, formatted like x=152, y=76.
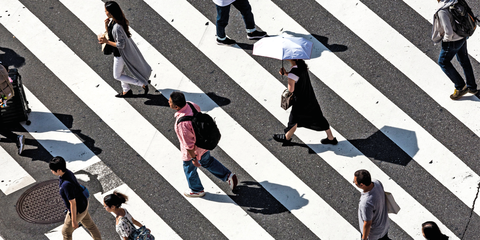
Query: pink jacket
x=186, y=134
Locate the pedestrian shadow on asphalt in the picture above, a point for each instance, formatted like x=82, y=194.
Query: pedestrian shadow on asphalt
x=376, y=147
x=199, y=98
x=76, y=149
x=11, y=58
x=253, y=196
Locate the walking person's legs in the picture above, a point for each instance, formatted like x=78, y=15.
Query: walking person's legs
x=193, y=179
x=67, y=229
x=246, y=10
x=18, y=139
x=289, y=134
x=448, y=51
x=118, y=66
x=214, y=166
x=223, y=15
x=88, y=223
x=218, y=170
x=462, y=57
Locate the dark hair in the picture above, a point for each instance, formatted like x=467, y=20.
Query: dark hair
x=300, y=63
x=178, y=98
x=117, y=13
x=363, y=176
x=116, y=199
x=432, y=231
x=58, y=163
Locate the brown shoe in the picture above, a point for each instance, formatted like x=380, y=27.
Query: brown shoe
x=457, y=94
x=472, y=91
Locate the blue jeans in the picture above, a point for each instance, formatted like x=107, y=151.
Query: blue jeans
x=223, y=14
x=208, y=162
x=458, y=48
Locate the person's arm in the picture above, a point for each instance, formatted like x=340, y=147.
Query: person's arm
x=444, y=18
x=73, y=213
x=186, y=136
x=125, y=238
x=136, y=222
x=291, y=85
x=366, y=229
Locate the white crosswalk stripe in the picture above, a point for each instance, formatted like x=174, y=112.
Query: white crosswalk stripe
x=156, y=148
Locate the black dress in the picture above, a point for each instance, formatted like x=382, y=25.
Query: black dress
x=306, y=111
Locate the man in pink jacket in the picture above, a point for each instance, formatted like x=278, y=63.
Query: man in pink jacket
x=192, y=155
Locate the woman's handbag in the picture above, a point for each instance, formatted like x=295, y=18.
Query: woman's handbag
x=288, y=99
x=141, y=233
x=106, y=49
x=392, y=206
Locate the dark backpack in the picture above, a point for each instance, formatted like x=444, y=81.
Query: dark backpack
x=464, y=22
x=206, y=131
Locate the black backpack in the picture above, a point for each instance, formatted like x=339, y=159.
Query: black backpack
x=464, y=22
x=206, y=131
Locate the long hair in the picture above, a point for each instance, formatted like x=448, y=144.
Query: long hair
x=117, y=13
x=432, y=231
x=301, y=64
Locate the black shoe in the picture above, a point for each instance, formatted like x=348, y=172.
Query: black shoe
x=145, y=89
x=281, y=138
x=128, y=94
x=256, y=35
x=226, y=41
x=328, y=141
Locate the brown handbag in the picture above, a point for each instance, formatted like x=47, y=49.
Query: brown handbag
x=288, y=99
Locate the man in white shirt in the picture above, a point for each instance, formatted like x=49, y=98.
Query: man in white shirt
x=223, y=14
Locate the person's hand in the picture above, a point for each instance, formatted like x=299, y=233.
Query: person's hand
x=107, y=21
x=196, y=163
x=282, y=71
x=75, y=225
x=102, y=39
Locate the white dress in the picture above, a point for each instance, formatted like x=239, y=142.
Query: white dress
x=125, y=228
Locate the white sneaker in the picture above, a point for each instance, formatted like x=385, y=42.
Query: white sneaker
x=232, y=180
x=190, y=193
x=20, y=143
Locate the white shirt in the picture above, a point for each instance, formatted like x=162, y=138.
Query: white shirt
x=223, y=3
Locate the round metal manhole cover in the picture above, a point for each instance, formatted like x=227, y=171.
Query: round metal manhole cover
x=42, y=204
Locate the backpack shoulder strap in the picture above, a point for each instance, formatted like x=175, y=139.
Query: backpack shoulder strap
x=184, y=118
x=188, y=118
x=194, y=110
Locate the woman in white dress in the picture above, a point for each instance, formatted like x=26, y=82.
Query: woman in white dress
x=124, y=221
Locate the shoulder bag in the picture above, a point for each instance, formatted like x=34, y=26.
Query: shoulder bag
x=287, y=100
x=141, y=233
x=392, y=206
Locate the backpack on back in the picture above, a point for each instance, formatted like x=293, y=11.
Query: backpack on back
x=464, y=22
x=206, y=131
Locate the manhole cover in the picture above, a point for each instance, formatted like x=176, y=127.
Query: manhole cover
x=42, y=204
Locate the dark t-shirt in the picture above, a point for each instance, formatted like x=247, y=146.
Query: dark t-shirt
x=70, y=189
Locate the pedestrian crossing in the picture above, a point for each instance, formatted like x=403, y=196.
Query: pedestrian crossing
x=146, y=132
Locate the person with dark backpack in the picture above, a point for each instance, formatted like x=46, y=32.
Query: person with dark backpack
x=448, y=30
x=197, y=133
